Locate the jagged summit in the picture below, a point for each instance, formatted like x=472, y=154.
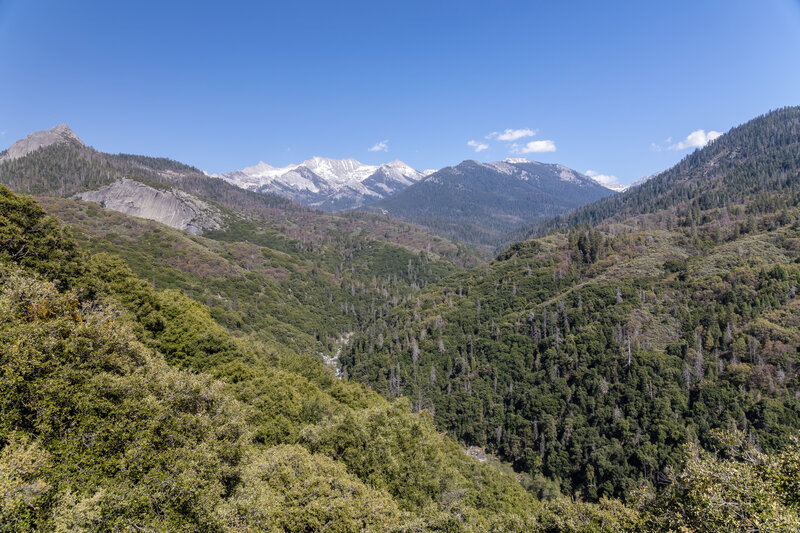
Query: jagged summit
x=327, y=183
x=40, y=139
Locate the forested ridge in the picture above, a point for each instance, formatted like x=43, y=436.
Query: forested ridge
x=754, y=163
x=636, y=375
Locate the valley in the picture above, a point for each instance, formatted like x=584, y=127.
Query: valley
x=599, y=361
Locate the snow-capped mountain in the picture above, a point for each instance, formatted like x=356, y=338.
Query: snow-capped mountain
x=329, y=184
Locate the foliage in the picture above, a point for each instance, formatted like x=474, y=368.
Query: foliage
x=592, y=355
x=31, y=238
x=737, y=488
x=98, y=432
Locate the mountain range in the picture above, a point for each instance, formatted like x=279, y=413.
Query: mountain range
x=327, y=184
x=479, y=203
x=484, y=204
x=634, y=360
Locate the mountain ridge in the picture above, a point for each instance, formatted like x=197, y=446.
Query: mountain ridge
x=699, y=176
x=480, y=203
x=326, y=183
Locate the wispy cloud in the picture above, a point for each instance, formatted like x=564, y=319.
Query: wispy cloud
x=605, y=180
x=696, y=139
x=381, y=146
x=479, y=146
x=534, y=147
x=510, y=135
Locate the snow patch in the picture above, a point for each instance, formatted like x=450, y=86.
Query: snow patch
x=319, y=180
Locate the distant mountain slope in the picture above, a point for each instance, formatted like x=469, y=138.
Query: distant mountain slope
x=481, y=202
x=327, y=184
x=69, y=169
x=593, y=355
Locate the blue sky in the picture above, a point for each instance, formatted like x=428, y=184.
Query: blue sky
x=615, y=87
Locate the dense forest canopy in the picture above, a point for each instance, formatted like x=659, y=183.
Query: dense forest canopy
x=128, y=408
x=593, y=355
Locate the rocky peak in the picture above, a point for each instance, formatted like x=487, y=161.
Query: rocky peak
x=61, y=134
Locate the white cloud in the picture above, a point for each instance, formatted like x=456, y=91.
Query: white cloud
x=605, y=180
x=534, y=146
x=479, y=147
x=512, y=135
x=382, y=146
x=696, y=139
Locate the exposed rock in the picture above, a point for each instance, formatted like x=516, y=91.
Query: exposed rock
x=173, y=208
x=39, y=139
x=477, y=453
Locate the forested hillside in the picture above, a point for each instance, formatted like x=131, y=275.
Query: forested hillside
x=298, y=278
x=593, y=355
x=127, y=408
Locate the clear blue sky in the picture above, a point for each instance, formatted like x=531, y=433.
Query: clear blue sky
x=225, y=84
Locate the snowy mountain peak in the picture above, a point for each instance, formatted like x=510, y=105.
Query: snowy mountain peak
x=339, y=171
x=501, y=166
x=396, y=164
x=327, y=183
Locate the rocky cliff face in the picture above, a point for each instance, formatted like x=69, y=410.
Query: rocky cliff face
x=173, y=208
x=40, y=139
